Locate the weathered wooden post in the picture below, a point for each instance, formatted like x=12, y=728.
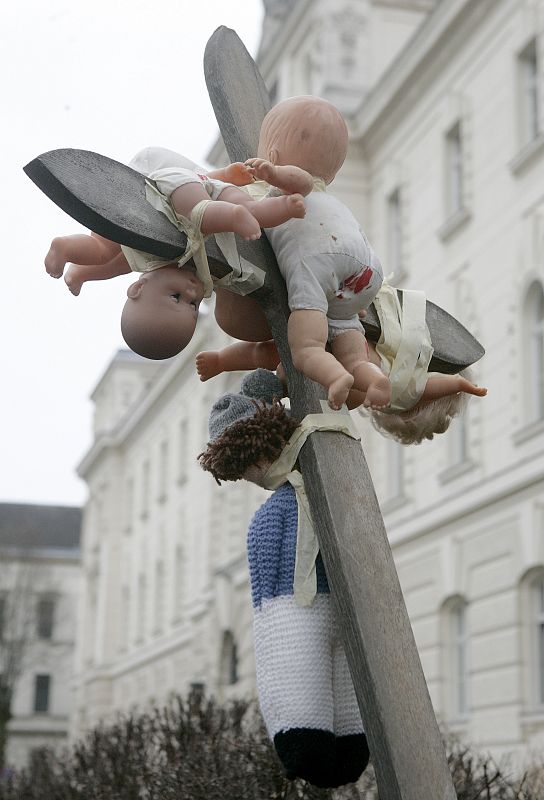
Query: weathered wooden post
x=404, y=738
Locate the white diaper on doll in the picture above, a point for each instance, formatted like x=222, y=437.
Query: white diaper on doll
x=166, y=171
x=404, y=346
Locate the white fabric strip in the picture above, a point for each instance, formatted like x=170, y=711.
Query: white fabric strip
x=305, y=581
x=245, y=276
x=405, y=345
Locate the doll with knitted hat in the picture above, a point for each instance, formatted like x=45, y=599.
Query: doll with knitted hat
x=305, y=689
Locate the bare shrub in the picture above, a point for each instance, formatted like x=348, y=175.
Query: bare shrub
x=195, y=749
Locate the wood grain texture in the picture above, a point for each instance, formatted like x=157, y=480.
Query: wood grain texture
x=107, y=197
x=404, y=739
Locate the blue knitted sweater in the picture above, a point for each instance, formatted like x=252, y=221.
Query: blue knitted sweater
x=271, y=548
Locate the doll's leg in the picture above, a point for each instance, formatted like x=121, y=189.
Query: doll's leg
x=219, y=216
x=351, y=744
x=80, y=249
x=270, y=211
x=241, y=316
x=78, y=274
x=238, y=356
x=294, y=681
x=349, y=347
x=438, y=386
x=307, y=333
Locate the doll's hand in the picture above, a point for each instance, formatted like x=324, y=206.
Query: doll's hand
x=262, y=169
x=239, y=174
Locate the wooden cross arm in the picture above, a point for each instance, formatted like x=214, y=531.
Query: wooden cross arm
x=109, y=198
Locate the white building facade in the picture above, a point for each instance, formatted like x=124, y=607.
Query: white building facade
x=39, y=588
x=444, y=103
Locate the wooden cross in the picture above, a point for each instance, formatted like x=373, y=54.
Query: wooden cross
x=398, y=717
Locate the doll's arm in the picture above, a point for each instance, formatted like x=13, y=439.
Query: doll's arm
x=237, y=173
x=288, y=179
x=443, y=385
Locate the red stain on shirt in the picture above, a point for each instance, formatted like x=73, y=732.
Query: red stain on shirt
x=356, y=283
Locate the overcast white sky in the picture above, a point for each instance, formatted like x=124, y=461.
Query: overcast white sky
x=111, y=76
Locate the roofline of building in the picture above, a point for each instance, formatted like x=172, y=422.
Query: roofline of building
x=122, y=354
x=416, y=65
x=41, y=553
x=131, y=420
x=408, y=74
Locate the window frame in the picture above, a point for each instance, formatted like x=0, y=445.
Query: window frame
x=42, y=601
x=42, y=693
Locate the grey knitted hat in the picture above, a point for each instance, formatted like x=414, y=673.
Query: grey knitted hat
x=261, y=385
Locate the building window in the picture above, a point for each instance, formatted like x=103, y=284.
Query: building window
x=529, y=92
x=41, y=694
x=229, y=660
x=129, y=504
x=125, y=618
x=179, y=582
x=163, y=471
x=183, y=444
x=159, y=596
x=273, y=93
x=459, y=652
x=537, y=591
x=456, y=657
x=534, y=316
x=394, y=234
x=3, y=615
x=455, y=178
x=146, y=482
x=45, y=617
x=459, y=440
x=142, y=607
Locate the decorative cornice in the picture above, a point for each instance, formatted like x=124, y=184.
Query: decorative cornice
x=416, y=67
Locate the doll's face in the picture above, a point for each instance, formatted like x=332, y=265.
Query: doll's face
x=256, y=472
x=161, y=312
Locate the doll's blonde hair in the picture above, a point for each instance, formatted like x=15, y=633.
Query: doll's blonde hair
x=305, y=131
x=424, y=420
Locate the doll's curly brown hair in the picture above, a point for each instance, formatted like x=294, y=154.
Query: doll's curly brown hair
x=249, y=441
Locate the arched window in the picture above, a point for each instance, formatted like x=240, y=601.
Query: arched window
x=456, y=658
x=228, y=667
x=534, y=344
x=532, y=630
x=537, y=627
x=159, y=596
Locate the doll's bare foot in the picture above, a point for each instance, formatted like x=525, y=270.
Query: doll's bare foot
x=470, y=388
x=295, y=206
x=207, y=365
x=378, y=393
x=220, y=216
x=245, y=224
x=55, y=260
x=72, y=281
x=339, y=390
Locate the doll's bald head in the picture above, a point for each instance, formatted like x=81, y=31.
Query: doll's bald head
x=305, y=131
x=161, y=311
